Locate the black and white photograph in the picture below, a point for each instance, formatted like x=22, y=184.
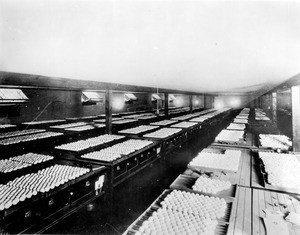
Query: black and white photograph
x=136, y=117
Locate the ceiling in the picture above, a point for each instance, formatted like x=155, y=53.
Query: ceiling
x=199, y=46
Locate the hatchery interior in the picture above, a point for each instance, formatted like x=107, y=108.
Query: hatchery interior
x=152, y=117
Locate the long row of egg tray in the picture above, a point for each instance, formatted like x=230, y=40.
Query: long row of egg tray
x=117, y=151
x=199, y=119
x=138, y=129
x=19, y=133
x=282, y=169
x=43, y=122
x=124, y=121
x=230, y=135
x=22, y=161
x=26, y=138
x=275, y=141
x=262, y=118
x=85, y=127
x=242, y=116
x=184, y=125
x=69, y=125
x=163, y=133
x=209, y=185
x=237, y=126
x=184, y=117
x=104, y=120
x=163, y=123
x=147, y=117
x=137, y=116
x=5, y=126
x=165, y=221
x=227, y=161
x=88, y=143
x=240, y=120
x=26, y=186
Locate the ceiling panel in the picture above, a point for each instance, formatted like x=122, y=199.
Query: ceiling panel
x=201, y=46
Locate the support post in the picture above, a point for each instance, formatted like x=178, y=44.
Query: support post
x=166, y=105
x=108, y=112
x=296, y=117
x=274, y=107
x=191, y=103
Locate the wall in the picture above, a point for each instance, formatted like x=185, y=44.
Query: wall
x=144, y=102
x=53, y=104
x=230, y=101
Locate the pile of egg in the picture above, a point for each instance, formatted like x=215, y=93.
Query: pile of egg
x=19, y=133
x=240, y=120
x=199, y=119
x=197, y=204
x=282, y=169
x=163, y=133
x=163, y=123
x=26, y=186
x=164, y=221
x=184, y=125
x=185, y=117
x=262, y=118
x=227, y=161
x=103, y=120
x=7, y=166
x=102, y=156
x=88, y=143
x=22, y=161
x=138, y=130
x=32, y=158
x=4, y=126
x=69, y=125
x=275, y=141
x=236, y=126
x=230, y=135
x=208, y=185
x=124, y=121
x=118, y=150
x=43, y=122
x=85, y=127
x=26, y=138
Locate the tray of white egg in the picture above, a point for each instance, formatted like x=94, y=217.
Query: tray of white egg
x=40, y=184
x=275, y=142
x=139, y=130
x=163, y=123
x=229, y=161
x=281, y=172
x=181, y=212
x=119, y=152
x=91, y=144
x=185, y=125
x=236, y=137
x=205, y=185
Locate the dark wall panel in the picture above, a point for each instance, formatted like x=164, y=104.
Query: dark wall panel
x=54, y=104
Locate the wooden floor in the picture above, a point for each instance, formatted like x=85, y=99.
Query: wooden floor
x=240, y=222
x=280, y=202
